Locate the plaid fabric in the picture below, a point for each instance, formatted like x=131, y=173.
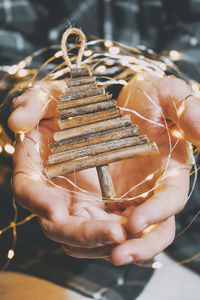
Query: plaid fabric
x=28, y=25
x=18, y=21
x=16, y=13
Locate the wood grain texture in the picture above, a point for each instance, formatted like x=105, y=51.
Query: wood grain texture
x=84, y=101
x=97, y=149
x=100, y=160
x=80, y=72
x=83, y=94
x=95, y=127
x=89, y=118
x=82, y=88
x=86, y=109
x=71, y=82
x=94, y=138
x=106, y=183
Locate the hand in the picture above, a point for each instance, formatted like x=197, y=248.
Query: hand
x=161, y=206
x=154, y=98
x=70, y=218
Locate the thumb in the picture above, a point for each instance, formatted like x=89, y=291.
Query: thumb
x=37, y=103
x=181, y=107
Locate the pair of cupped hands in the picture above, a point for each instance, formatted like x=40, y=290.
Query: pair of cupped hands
x=81, y=224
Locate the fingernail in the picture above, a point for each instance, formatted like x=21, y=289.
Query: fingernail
x=127, y=260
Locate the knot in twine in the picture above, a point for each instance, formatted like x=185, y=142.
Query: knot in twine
x=82, y=45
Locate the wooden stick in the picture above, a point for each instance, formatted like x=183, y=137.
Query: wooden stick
x=97, y=149
x=95, y=127
x=94, y=138
x=79, y=72
x=79, y=81
x=84, y=101
x=106, y=183
x=86, y=109
x=82, y=94
x=89, y=118
x=100, y=160
x=82, y=88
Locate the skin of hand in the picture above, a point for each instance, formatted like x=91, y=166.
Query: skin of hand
x=81, y=224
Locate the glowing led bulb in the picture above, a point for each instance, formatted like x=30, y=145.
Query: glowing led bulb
x=22, y=64
x=9, y=149
x=157, y=265
x=101, y=69
x=163, y=66
x=37, y=146
x=11, y=254
x=22, y=136
x=22, y=73
x=1, y=149
x=139, y=77
x=122, y=82
x=195, y=86
x=59, y=73
x=175, y=55
x=108, y=43
x=149, y=229
x=58, y=53
x=35, y=176
x=144, y=195
x=177, y=134
x=13, y=69
x=172, y=172
x=88, y=52
x=181, y=109
x=114, y=50
x=150, y=177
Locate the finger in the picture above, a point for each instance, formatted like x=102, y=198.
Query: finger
x=29, y=187
x=88, y=211
x=35, y=104
x=169, y=199
x=95, y=253
x=175, y=98
x=78, y=232
x=181, y=107
x=146, y=247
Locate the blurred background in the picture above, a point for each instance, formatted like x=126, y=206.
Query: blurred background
x=158, y=25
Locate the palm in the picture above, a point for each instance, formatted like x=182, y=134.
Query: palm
x=129, y=173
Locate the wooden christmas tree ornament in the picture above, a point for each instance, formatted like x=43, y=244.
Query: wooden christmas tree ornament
x=93, y=132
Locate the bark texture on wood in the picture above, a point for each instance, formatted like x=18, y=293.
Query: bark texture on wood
x=89, y=118
x=97, y=149
x=79, y=72
x=84, y=101
x=100, y=160
x=106, y=183
x=78, y=89
x=86, y=109
x=90, y=128
x=94, y=138
x=82, y=94
x=79, y=81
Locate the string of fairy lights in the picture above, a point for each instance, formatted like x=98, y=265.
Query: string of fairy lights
x=112, y=63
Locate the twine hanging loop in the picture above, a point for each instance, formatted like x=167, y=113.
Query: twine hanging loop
x=82, y=46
